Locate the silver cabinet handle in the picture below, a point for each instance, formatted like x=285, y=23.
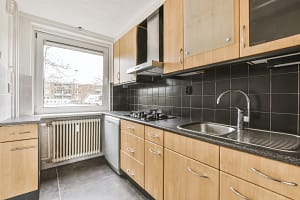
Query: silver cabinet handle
x=157, y=152
x=118, y=75
x=129, y=172
x=273, y=179
x=22, y=148
x=239, y=194
x=19, y=133
x=130, y=128
x=228, y=39
x=130, y=150
x=243, y=44
x=180, y=55
x=196, y=174
x=153, y=135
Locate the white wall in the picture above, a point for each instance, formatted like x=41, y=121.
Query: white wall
x=27, y=26
x=5, y=98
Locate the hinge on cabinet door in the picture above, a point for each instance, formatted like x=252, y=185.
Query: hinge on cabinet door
x=36, y=35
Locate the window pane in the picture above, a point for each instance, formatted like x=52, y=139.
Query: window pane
x=72, y=77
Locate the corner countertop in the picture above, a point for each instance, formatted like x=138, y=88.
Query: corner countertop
x=28, y=119
x=171, y=125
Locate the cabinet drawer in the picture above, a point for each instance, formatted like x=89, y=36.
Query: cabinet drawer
x=133, y=128
x=196, y=149
x=133, y=145
x=236, y=189
x=279, y=177
x=154, y=135
x=18, y=168
x=18, y=132
x=187, y=179
x=133, y=168
x=154, y=166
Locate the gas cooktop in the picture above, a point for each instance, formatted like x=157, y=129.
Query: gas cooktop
x=151, y=115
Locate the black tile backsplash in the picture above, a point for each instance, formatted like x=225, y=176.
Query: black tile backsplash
x=274, y=95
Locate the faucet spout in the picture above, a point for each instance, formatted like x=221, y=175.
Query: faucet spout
x=243, y=118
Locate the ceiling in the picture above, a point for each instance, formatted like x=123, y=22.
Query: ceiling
x=107, y=17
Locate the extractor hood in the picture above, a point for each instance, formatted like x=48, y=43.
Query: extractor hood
x=150, y=46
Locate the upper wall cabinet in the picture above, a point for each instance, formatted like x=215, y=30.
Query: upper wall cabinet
x=116, y=68
x=211, y=31
x=268, y=25
x=128, y=55
x=173, y=35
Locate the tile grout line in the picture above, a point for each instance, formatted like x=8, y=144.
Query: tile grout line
x=58, y=184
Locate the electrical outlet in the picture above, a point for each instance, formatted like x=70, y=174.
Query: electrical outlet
x=188, y=90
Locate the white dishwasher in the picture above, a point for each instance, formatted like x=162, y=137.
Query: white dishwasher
x=111, y=142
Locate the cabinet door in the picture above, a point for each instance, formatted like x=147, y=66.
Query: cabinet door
x=236, y=189
x=173, y=35
x=268, y=25
x=154, y=166
x=211, y=31
x=186, y=179
x=18, y=168
x=116, y=69
x=128, y=55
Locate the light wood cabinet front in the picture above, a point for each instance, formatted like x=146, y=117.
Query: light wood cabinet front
x=201, y=151
x=133, y=146
x=18, y=167
x=133, y=168
x=133, y=128
x=18, y=132
x=186, y=179
x=154, y=135
x=236, y=189
x=154, y=166
x=173, y=35
x=279, y=18
x=211, y=31
x=116, y=67
x=279, y=177
x=128, y=55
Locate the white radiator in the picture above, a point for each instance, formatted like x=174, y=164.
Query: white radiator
x=76, y=138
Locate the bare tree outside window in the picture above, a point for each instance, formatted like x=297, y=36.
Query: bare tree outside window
x=72, y=77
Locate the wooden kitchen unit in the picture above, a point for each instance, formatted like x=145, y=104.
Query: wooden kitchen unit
x=18, y=160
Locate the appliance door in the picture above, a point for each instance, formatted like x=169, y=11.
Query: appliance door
x=111, y=142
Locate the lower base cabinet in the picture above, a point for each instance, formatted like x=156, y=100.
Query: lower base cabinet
x=18, y=168
x=236, y=189
x=133, y=168
x=154, y=166
x=186, y=179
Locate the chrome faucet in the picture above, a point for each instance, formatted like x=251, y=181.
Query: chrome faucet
x=241, y=118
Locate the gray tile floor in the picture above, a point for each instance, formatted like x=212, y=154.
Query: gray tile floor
x=87, y=180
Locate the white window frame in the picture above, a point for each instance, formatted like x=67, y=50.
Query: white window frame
x=43, y=38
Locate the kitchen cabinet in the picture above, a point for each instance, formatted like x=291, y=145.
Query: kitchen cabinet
x=186, y=179
x=154, y=166
x=211, y=31
x=199, y=32
x=193, y=148
x=173, y=35
x=128, y=55
x=116, y=63
x=276, y=176
x=236, y=189
x=18, y=160
x=132, y=151
x=268, y=25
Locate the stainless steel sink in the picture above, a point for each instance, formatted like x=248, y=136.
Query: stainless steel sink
x=207, y=128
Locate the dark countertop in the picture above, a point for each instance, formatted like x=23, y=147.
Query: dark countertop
x=28, y=119
x=171, y=125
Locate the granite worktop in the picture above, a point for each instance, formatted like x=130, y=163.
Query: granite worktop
x=171, y=125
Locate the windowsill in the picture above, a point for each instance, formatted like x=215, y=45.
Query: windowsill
x=76, y=114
